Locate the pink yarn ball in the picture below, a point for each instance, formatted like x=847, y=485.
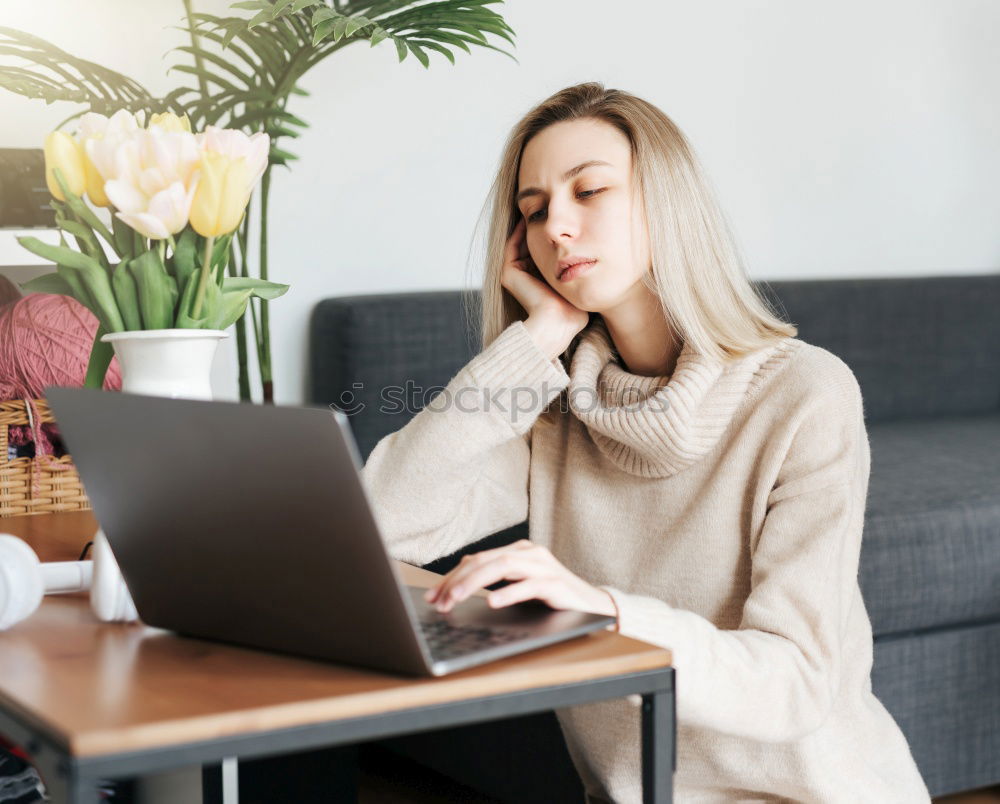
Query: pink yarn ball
x=45, y=339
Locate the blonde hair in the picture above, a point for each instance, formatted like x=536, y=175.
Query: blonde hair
x=698, y=272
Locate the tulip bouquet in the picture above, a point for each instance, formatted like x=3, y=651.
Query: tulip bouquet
x=175, y=199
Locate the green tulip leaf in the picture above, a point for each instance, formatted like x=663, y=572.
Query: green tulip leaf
x=185, y=256
x=220, y=255
x=174, y=293
x=75, y=229
x=127, y=294
x=153, y=284
x=61, y=255
x=50, y=283
x=79, y=292
x=233, y=304
x=85, y=240
x=101, y=355
x=260, y=287
x=96, y=287
x=82, y=211
x=209, y=307
x=183, y=319
x=220, y=248
x=123, y=234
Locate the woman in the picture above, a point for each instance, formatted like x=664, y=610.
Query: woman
x=684, y=461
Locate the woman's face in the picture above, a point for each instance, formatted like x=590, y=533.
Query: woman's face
x=588, y=212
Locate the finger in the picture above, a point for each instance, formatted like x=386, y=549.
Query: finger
x=513, y=249
x=530, y=589
x=530, y=290
x=432, y=594
x=473, y=578
x=522, y=243
x=510, y=567
x=467, y=560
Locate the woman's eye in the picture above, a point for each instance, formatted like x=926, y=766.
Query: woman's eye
x=582, y=194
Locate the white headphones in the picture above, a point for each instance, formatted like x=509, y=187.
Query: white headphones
x=24, y=580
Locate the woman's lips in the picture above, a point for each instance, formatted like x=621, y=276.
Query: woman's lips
x=575, y=270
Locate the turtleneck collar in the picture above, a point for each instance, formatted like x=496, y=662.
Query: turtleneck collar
x=657, y=426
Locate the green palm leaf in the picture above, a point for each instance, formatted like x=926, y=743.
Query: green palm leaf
x=34, y=68
x=408, y=24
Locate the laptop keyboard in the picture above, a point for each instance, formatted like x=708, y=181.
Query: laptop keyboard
x=447, y=640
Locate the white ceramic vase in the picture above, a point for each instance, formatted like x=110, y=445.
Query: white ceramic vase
x=166, y=362
x=175, y=363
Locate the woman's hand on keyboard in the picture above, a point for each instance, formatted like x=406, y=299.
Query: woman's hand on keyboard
x=536, y=575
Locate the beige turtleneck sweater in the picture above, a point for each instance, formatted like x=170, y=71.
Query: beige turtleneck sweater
x=721, y=507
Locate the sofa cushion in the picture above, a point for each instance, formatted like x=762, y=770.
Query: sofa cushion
x=931, y=549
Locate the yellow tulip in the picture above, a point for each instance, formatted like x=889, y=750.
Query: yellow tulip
x=63, y=152
x=95, y=183
x=168, y=121
x=222, y=194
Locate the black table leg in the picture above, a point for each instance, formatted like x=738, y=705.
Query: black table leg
x=211, y=783
x=659, y=750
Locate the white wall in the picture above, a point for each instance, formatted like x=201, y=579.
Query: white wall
x=850, y=139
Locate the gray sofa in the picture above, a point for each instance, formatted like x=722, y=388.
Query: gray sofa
x=926, y=352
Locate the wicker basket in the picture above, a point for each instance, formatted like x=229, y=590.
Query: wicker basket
x=57, y=486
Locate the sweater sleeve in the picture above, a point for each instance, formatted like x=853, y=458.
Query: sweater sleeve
x=458, y=470
x=775, y=677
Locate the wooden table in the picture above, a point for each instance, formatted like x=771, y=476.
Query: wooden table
x=91, y=700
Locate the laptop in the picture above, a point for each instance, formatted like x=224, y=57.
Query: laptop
x=250, y=524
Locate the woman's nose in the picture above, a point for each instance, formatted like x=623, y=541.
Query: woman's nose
x=561, y=221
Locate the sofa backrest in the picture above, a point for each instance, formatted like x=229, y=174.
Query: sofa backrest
x=363, y=349
x=919, y=346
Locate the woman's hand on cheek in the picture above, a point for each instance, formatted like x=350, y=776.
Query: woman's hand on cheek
x=521, y=278
x=552, y=320
x=536, y=573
